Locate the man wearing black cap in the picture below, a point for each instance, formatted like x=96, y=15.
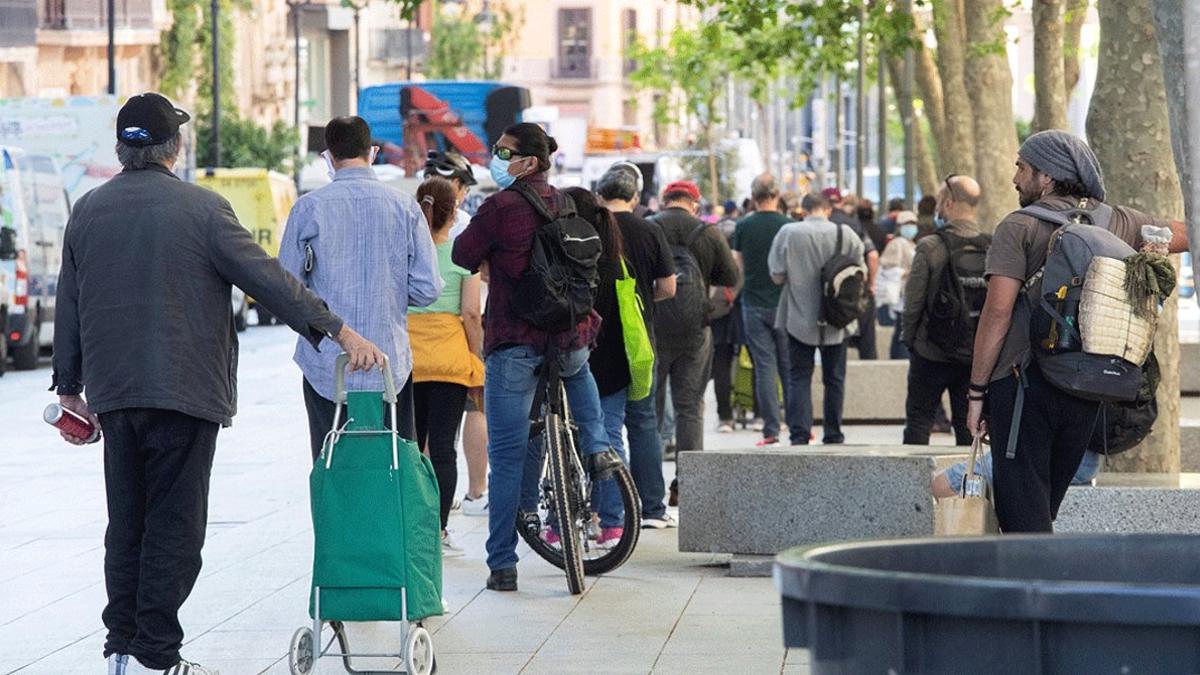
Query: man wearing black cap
x=144, y=326
x=1058, y=171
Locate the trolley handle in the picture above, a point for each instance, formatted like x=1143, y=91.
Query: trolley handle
x=339, y=380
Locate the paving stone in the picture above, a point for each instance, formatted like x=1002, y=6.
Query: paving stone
x=751, y=565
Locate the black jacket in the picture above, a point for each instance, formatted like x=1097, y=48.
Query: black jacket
x=144, y=317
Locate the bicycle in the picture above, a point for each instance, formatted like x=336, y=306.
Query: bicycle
x=565, y=491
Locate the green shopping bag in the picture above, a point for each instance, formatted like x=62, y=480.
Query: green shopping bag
x=638, y=349
x=376, y=523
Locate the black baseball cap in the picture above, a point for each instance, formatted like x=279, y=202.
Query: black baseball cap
x=149, y=119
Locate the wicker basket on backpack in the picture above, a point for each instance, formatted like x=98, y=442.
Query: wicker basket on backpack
x=1107, y=321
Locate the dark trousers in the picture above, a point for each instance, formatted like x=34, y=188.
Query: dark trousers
x=685, y=366
x=722, y=376
x=865, y=341
x=927, y=380
x=833, y=376
x=1055, y=430
x=321, y=410
x=157, y=465
x=438, y=407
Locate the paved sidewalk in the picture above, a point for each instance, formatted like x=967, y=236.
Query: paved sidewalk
x=663, y=612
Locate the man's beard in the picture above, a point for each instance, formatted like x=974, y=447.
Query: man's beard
x=1028, y=196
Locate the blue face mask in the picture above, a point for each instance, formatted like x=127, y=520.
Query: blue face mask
x=908, y=231
x=500, y=174
x=939, y=222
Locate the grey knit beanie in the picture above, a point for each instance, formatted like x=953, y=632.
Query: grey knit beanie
x=1064, y=156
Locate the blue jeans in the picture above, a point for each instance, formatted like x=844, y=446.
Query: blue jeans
x=645, y=454
x=1088, y=468
x=508, y=394
x=833, y=374
x=606, y=496
x=769, y=350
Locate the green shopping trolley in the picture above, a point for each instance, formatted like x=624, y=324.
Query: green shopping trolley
x=377, y=534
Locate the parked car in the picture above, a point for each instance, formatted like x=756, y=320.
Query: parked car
x=33, y=216
x=261, y=200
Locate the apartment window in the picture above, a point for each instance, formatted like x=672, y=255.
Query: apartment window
x=575, y=43
x=629, y=25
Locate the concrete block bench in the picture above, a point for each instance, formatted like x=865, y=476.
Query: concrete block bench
x=761, y=501
x=1189, y=369
x=1189, y=437
x=875, y=392
x=1157, y=503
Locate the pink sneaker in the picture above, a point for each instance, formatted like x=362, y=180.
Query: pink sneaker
x=551, y=537
x=768, y=442
x=609, y=536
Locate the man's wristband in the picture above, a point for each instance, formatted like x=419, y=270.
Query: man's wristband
x=974, y=397
x=978, y=388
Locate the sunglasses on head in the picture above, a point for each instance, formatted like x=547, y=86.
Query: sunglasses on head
x=505, y=153
x=949, y=187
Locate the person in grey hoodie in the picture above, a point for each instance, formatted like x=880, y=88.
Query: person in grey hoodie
x=144, y=328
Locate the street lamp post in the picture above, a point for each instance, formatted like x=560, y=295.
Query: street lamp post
x=112, y=47
x=860, y=109
x=295, y=6
x=485, y=19
x=357, y=7
x=216, y=83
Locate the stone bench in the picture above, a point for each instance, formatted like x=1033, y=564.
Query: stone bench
x=875, y=392
x=760, y=501
x=1189, y=369
x=1189, y=451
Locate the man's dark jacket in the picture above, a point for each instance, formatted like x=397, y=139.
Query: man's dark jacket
x=144, y=318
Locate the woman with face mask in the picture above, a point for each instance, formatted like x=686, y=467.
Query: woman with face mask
x=894, y=266
x=500, y=235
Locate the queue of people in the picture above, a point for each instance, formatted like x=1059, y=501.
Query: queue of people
x=411, y=274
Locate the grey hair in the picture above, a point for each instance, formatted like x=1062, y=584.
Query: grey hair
x=134, y=158
x=617, y=183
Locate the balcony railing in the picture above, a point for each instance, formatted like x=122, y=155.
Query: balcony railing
x=93, y=14
x=18, y=23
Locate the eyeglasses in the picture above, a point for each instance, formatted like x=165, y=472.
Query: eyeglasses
x=505, y=153
x=949, y=187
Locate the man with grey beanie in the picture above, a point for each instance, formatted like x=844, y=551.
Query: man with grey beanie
x=1058, y=171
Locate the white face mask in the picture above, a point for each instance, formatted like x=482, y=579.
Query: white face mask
x=331, y=171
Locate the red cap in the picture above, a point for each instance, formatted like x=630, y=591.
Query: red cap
x=685, y=186
x=833, y=194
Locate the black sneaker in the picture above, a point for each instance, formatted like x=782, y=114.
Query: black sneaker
x=673, y=499
x=602, y=465
x=503, y=580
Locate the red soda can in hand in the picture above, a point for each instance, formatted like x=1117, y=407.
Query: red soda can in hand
x=71, y=422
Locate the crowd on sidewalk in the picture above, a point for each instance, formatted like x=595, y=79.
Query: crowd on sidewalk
x=413, y=284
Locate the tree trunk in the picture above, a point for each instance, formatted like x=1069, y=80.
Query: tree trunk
x=957, y=151
x=1131, y=134
x=1073, y=20
x=1050, y=110
x=933, y=100
x=714, y=189
x=989, y=83
x=927, y=178
x=764, y=118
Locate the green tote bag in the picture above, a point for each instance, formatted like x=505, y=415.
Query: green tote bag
x=638, y=349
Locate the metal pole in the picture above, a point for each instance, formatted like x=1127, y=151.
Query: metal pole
x=296, y=92
x=357, y=59
x=860, y=99
x=408, y=50
x=216, y=83
x=883, y=136
x=908, y=117
x=112, y=47
x=839, y=127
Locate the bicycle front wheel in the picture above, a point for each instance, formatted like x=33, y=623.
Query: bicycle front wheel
x=564, y=487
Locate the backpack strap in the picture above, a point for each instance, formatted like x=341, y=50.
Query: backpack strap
x=1014, y=429
x=535, y=200
x=838, y=249
x=695, y=235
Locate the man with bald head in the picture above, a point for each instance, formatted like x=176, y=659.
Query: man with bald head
x=940, y=346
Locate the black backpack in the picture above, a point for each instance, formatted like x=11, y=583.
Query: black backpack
x=1124, y=424
x=843, y=287
x=952, y=310
x=686, y=313
x=558, y=289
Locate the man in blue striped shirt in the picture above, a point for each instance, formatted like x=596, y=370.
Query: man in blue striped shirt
x=365, y=249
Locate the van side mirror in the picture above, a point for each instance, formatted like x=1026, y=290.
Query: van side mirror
x=8, y=243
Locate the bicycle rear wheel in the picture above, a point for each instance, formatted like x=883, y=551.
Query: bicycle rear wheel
x=563, y=485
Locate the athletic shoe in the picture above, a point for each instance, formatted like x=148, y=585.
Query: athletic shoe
x=609, y=536
x=669, y=452
x=475, y=506
x=123, y=664
x=551, y=537
x=663, y=522
x=768, y=442
x=755, y=424
x=673, y=498
x=456, y=504
x=449, y=548
x=725, y=428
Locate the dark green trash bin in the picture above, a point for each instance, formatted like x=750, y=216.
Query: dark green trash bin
x=1016, y=604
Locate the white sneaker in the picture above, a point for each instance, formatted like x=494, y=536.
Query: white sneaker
x=456, y=504
x=666, y=521
x=123, y=664
x=475, y=506
x=449, y=548
x=725, y=428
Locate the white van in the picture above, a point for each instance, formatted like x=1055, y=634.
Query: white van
x=33, y=216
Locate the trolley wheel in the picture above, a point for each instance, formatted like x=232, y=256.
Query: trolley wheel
x=302, y=652
x=418, y=652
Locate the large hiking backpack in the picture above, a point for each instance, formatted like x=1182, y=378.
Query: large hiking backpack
x=1053, y=298
x=686, y=313
x=843, y=287
x=952, y=310
x=559, y=287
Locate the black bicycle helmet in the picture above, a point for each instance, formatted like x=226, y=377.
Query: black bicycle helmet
x=449, y=165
